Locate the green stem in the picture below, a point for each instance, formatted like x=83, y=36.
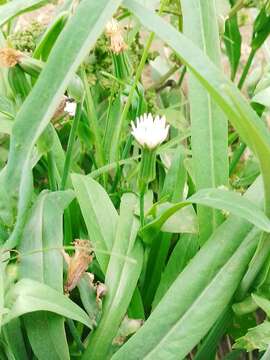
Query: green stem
x=182, y=76
x=246, y=68
x=238, y=6
x=133, y=88
x=93, y=122
x=70, y=145
x=75, y=334
x=239, y=152
x=163, y=78
x=142, y=209
x=236, y=157
x=51, y=171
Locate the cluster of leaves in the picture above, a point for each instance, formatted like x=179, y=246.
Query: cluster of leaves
x=90, y=267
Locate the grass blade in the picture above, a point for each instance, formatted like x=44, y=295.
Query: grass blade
x=18, y=7
x=44, y=230
x=229, y=201
x=121, y=279
x=249, y=126
x=208, y=124
x=99, y=215
x=191, y=282
x=70, y=49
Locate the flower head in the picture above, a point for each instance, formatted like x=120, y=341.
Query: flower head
x=150, y=132
x=114, y=32
x=9, y=57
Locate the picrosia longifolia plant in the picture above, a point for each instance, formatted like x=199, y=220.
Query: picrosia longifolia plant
x=135, y=180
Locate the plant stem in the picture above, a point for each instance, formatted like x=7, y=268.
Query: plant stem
x=240, y=150
x=51, y=171
x=138, y=75
x=182, y=76
x=94, y=122
x=70, y=145
x=142, y=208
x=238, y=6
x=75, y=334
x=246, y=68
x=163, y=78
x=236, y=157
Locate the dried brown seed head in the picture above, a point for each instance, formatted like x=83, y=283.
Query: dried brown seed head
x=9, y=57
x=114, y=32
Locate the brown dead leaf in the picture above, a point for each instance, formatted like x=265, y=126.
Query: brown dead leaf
x=78, y=263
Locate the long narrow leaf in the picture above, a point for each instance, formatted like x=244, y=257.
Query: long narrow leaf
x=17, y=7
x=69, y=51
x=208, y=124
x=44, y=231
x=29, y=296
x=229, y=201
x=121, y=280
x=251, y=129
x=99, y=215
x=191, y=282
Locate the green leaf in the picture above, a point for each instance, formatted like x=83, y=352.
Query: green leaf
x=184, y=250
x=113, y=117
x=172, y=336
x=263, y=303
x=3, y=263
x=229, y=201
x=17, y=7
x=43, y=235
x=121, y=279
x=266, y=354
x=232, y=40
x=193, y=280
x=99, y=215
x=88, y=294
x=30, y=296
x=155, y=265
x=175, y=179
x=48, y=39
x=183, y=221
x=72, y=46
x=5, y=125
x=13, y=335
x=257, y=338
x=262, y=97
x=249, y=126
x=208, y=124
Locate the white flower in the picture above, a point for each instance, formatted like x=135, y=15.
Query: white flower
x=70, y=108
x=150, y=132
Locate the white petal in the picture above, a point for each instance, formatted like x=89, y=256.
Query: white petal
x=150, y=131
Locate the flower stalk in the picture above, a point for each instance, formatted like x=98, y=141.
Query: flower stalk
x=149, y=132
x=147, y=169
